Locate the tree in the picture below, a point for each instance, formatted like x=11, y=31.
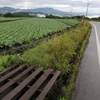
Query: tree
x=13, y=15
x=8, y=15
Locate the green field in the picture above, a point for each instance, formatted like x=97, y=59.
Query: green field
x=26, y=30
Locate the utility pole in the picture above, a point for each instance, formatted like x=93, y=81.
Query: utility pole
x=87, y=9
x=71, y=13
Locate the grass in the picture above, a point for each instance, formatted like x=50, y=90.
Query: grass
x=59, y=51
x=8, y=60
x=55, y=53
x=68, y=89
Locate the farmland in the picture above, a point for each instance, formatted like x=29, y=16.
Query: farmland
x=17, y=32
x=5, y=19
x=61, y=52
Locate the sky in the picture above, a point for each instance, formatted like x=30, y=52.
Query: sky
x=63, y=5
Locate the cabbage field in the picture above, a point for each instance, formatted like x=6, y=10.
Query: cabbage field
x=28, y=29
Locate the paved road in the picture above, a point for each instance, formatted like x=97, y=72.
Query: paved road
x=88, y=80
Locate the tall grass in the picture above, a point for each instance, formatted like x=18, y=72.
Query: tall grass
x=67, y=90
x=7, y=60
x=55, y=53
x=59, y=51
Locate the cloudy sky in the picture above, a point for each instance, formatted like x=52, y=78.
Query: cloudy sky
x=63, y=5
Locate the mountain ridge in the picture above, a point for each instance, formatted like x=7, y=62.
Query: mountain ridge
x=46, y=10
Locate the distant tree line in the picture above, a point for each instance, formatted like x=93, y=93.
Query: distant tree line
x=64, y=17
x=52, y=16
x=96, y=19
x=1, y=14
x=19, y=14
x=26, y=14
x=13, y=15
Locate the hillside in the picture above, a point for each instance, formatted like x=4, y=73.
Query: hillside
x=42, y=10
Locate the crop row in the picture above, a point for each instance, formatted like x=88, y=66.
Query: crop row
x=70, y=22
x=17, y=32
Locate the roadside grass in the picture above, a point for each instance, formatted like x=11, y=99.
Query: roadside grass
x=68, y=89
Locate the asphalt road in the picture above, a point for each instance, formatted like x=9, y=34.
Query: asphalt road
x=87, y=85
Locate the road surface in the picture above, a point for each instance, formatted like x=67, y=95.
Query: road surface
x=87, y=85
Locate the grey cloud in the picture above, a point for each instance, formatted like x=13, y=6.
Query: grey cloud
x=73, y=3
x=68, y=4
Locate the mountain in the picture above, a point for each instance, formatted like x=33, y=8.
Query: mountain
x=40, y=10
x=8, y=9
x=47, y=11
